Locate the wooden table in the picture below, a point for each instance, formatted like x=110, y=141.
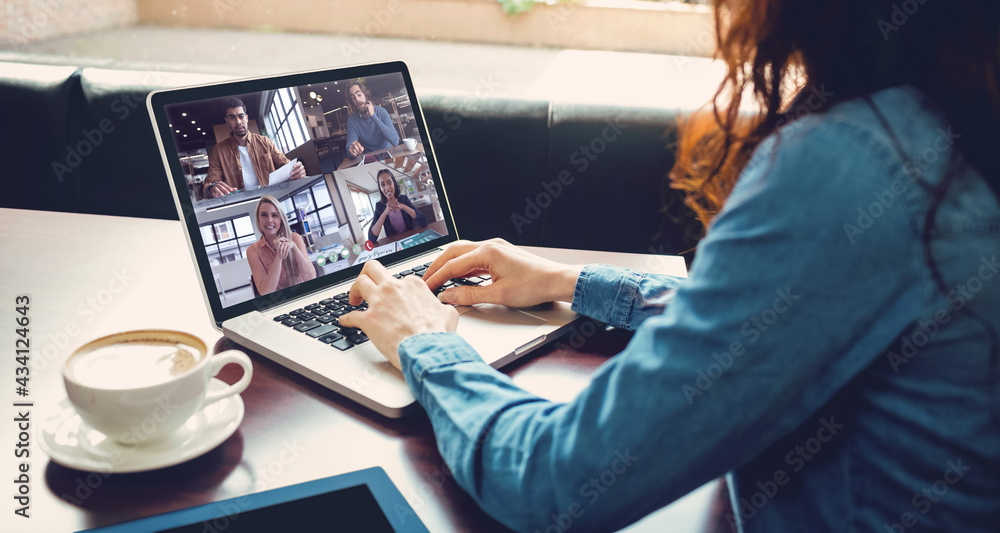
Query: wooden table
x=92, y=275
x=394, y=151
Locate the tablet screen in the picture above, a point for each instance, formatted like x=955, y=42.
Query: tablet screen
x=350, y=509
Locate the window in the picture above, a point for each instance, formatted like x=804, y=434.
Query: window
x=243, y=226
x=298, y=130
x=318, y=209
x=269, y=122
x=284, y=120
x=327, y=216
x=227, y=240
x=207, y=235
x=363, y=203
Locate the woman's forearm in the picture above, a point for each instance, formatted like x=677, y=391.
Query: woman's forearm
x=270, y=282
x=306, y=270
x=377, y=225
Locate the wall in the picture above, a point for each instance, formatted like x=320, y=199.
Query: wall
x=659, y=27
x=24, y=21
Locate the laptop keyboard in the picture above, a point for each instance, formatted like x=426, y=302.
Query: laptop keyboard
x=320, y=320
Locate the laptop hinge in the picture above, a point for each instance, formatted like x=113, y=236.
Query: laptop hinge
x=424, y=254
x=312, y=294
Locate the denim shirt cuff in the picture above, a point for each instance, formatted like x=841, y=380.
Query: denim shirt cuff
x=421, y=354
x=606, y=293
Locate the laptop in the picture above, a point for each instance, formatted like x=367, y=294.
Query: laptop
x=309, y=117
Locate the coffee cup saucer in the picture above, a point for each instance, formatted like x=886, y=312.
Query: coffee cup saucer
x=70, y=442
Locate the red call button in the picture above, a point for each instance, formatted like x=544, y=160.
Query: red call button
x=369, y=245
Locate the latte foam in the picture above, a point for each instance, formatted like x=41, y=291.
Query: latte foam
x=130, y=365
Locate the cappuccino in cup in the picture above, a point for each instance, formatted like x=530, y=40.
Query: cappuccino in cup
x=138, y=387
x=130, y=365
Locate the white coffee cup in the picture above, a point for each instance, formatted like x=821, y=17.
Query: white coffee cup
x=411, y=144
x=138, y=387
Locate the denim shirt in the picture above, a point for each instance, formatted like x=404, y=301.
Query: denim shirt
x=810, y=356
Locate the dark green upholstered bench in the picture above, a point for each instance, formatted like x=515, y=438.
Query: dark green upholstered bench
x=534, y=172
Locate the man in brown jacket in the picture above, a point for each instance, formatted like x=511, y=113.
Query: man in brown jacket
x=244, y=159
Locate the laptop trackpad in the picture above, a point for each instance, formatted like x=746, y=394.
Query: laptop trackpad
x=499, y=314
x=496, y=331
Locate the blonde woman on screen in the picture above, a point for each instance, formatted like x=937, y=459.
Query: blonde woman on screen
x=278, y=259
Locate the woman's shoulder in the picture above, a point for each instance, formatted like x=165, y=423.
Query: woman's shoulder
x=834, y=154
x=897, y=117
x=877, y=124
x=902, y=130
x=838, y=163
x=254, y=248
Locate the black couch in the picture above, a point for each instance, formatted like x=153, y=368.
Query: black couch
x=534, y=172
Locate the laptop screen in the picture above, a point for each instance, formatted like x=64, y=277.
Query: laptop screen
x=291, y=183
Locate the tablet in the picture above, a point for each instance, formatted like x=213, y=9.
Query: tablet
x=365, y=500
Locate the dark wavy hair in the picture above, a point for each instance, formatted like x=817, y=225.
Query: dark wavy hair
x=395, y=185
x=364, y=90
x=778, y=51
x=773, y=49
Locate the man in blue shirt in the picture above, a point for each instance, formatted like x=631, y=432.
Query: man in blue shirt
x=369, y=127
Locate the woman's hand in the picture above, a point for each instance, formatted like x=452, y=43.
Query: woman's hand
x=283, y=246
x=406, y=209
x=392, y=205
x=520, y=279
x=397, y=309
